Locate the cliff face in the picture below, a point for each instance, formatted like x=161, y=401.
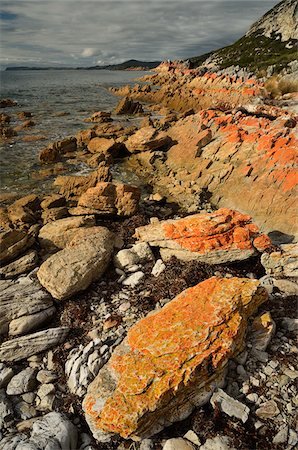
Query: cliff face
x=271, y=41
x=280, y=20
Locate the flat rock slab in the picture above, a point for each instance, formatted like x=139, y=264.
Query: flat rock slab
x=23, y=264
x=83, y=261
x=172, y=360
x=214, y=238
x=23, y=306
x=25, y=346
x=146, y=138
x=13, y=243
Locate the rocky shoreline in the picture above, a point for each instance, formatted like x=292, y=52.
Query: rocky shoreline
x=166, y=310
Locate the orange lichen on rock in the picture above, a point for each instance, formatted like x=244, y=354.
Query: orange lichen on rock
x=170, y=361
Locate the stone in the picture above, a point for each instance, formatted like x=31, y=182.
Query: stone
x=111, y=198
x=54, y=214
x=25, y=346
x=13, y=243
x=290, y=324
x=268, y=410
x=24, y=381
x=128, y=106
x=55, y=150
x=178, y=444
x=56, y=235
x=147, y=138
x=11, y=441
x=24, y=306
x=45, y=397
x=183, y=348
x=229, y=405
x=6, y=374
x=134, y=279
x=100, y=116
x=24, y=264
x=263, y=329
x=125, y=259
x=158, y=268
x=53, y=201
x=25, y=411
x=218, y=443
x=104, y=146
x=46, y=376
x=282, y=263
x=287, y=287
x=83, y=261
x=214, y=238
x=146, y=444
x=143, y=251
x=6, y=410
x=7, y=103
x=192, y=437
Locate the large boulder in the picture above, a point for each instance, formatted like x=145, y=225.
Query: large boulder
x=111, y=198
x=55, y=235
x=214, y=238
x=83, y=261
x=172, y=360
x=24, y=306
x=147, y=138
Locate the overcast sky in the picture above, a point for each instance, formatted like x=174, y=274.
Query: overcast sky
x=90, y=32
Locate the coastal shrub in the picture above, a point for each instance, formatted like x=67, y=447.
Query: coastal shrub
x=276, y=86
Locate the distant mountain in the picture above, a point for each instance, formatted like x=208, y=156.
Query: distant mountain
x=271, y=41
x=132, y=64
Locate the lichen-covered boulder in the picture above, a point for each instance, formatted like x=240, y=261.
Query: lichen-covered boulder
x=214, y=238
x=172, y=360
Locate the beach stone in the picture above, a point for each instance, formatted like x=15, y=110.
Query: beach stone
x=268, y=410
x=45, y=397
x=128, y=106
x=103, y=146
x=218, y=443
x=134, y=279
x=111, y=198
x=147, y=138
x=13, y=243
x=55, y=150
x=22, y=265
x=229, y=405
x=263, y=329
x=84, y=137
x=25, y=346
x=282, y=263
x=158, y=268
x=178, y=444
x=24, y=306
x=56, y=235
x=46, y=376
x=6, y=374
x=192, y=437
x=6, y=410
x=53, y=431
x=24, y=381
x=214, y=238
x=191, y=339
x=83, y=261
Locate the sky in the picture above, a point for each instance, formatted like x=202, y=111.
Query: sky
x=82, y=33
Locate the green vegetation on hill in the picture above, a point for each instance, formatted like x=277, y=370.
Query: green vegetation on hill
x=255, y=52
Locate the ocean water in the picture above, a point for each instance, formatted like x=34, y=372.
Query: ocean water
x=59, y=101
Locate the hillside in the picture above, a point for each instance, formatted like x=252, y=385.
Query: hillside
x=271, y=41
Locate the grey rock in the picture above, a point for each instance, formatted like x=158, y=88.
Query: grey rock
x=45, y=397
x=178, y=444
x=23, y=264
x=22, y=347
x=282, y=436
x=146, y=444
x=290, y=324
x=24, y=306
x=134, y=279
x=25, y=411
x=11, y=441
x=192, y=437
x=6, y=373
x=293, y=438
x=158, y=268
x=268, y=410
x=46, y=376
x=6, y=411
x=217, y=443
x=229, y=405
x=24, y=381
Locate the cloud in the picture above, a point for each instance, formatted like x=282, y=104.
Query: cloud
x=84, y=32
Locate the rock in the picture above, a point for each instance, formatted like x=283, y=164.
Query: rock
x=7, y=102
x=282, y=436
x=54, y=151
x=134, y=279
x=183, y=348
x=129, y=257
x=24, y=381
x=192, y=437
x=51, y=432
x=54, y=214
x=45, y=397
x=6, y=373
x=46, y=376
x=23, y=264
x=53, y=201
x=25, y=346
x=13, y=243
x=23, y=115
x=158, y=268
x=83, y=261
x=263, y=329
x=214, y=238
x=282, y=263
x=4, y=118
x=25, y=411
x=106, y=147
x=11, y=441
x=178, y=444
x=83, y=365
x=229, y=405
x=287, y=287
x=147, y=138
x=128, y=106
x=23, y=306
x=218, y=443
x=100, y=116
x=56, y=235
x=71, y=187
x=84, y=137
x=268, y=410
x=290, y=324
x=110, y=198
x=6, y=410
